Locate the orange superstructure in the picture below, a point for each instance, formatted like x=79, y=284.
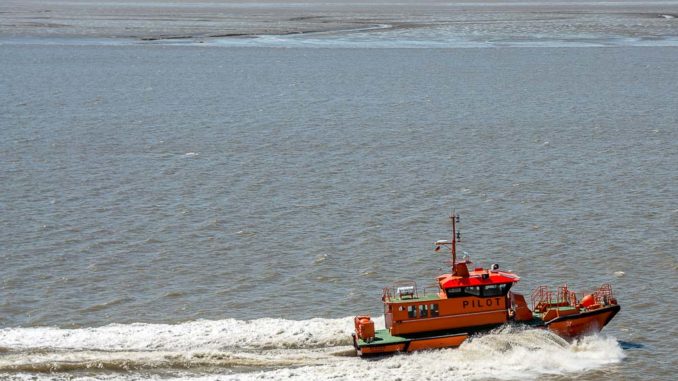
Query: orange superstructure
x=468, y=301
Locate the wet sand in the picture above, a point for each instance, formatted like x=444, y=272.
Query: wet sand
x=158, y=19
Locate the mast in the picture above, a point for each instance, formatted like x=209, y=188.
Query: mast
x=453, y=248
x=456, y=236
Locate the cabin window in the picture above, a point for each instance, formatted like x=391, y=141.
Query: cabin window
x=496, y=289
x=423, y=310
x=411, y=311
x=434, y=310
x=454, y=291
x=491, y=290
x=473, y=290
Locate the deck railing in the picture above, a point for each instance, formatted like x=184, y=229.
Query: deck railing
x=603, y=294
x=401, y=290
x=542, y=298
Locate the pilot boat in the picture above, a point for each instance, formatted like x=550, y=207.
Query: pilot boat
x=470, y=301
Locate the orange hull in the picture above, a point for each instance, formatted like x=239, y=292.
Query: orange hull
x=582, y=323
x=449, y=322
x=381, y=349
x=451, y=341
x=434, y=343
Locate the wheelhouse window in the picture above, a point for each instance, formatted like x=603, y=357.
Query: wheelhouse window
x=473, y=290
x=496, y=289
x=423, y=310
x=487, y=290
x=434, y=310
x=491, y=290
x=454, y=292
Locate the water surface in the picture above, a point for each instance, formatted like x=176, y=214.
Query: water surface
x=207, y=211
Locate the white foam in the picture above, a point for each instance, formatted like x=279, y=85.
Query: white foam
x=507, y=355
x=264, y=333
x=272, y=349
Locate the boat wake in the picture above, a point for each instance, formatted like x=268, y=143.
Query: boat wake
x=266, y=333
x=127, y=361
x=277, y=348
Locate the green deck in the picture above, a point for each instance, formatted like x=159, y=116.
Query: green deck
x=383, y=337
x=539, y=315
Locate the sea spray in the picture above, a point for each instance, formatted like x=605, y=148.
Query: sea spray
x=272, y=349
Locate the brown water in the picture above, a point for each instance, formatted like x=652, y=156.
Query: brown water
x=212, y=211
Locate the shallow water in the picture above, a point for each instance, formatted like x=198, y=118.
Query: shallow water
x=206, y=211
